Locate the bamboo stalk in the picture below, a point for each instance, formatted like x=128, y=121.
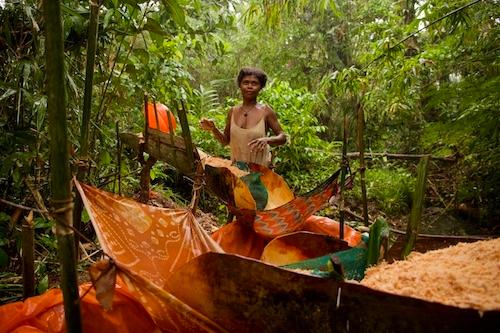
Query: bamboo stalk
x=86, y=114
x=361, y=147
x=89, y=76
x=28, y=246
x=60, y=175
x=145, y=176
x=118, y=174
x=343, y=174
x=417, y=207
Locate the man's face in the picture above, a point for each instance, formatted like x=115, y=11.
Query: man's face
x=250, y=86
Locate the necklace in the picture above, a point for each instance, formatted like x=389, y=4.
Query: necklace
x=245, y=111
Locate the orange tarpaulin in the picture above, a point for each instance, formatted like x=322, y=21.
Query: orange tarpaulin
x=160, y=119
x=45, y=313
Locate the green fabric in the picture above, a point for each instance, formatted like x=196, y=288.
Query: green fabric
x=257, y=189
x=242, y=165
x=320, y=266
x=349, y=264
x=254, y=184
x=353, y=262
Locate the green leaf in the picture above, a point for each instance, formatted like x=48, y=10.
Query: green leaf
x=43, y=284
x=85, y=216
x=175, y=12
x=106, y=158
x=154, y=27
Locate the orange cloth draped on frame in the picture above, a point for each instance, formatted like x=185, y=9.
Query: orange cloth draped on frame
x=147, y=244
x=252, y=230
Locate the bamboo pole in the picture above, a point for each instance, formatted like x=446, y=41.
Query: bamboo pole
x=145, y=175
x=343, y=174
x=118, y=174
x=60, y=175
x=361, y=147
x=28, y=246
x=417, y=207
x=86, y=114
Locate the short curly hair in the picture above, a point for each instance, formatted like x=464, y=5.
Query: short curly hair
x=259, y=74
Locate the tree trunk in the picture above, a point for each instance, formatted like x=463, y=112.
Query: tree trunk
x=60, y=175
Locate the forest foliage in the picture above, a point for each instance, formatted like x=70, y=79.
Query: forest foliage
x=435, y=91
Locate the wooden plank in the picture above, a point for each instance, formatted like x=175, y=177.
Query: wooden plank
x=160, y=146
x=245, y=295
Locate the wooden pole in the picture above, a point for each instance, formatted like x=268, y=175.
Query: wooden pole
x=86, y=114
x=60, y=174
x=186, y=134
x=361, y=148
x=119, y=159
x=417, y=207
x=146, y=120
x=28, y=246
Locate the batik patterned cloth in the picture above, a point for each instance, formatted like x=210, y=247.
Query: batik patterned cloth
x=147, y=244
